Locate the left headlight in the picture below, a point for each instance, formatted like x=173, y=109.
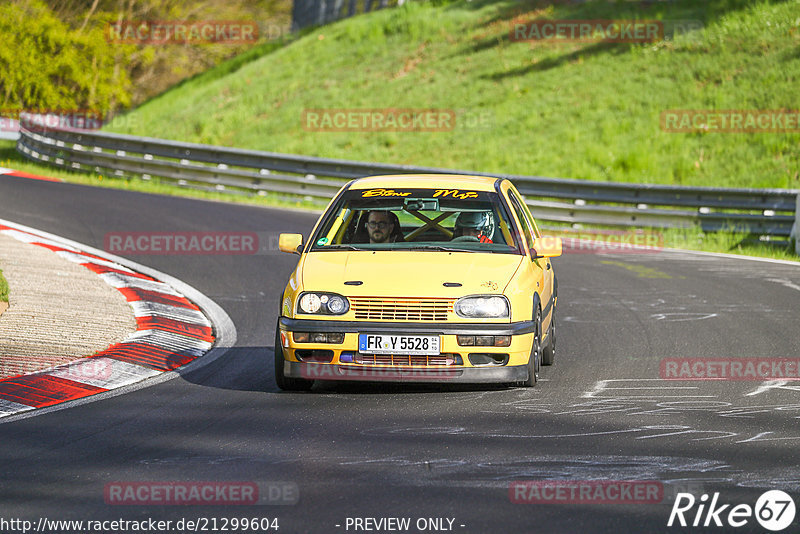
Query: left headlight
x=322, y=303
x=493, y=306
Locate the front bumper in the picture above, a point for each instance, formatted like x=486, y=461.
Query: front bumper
x=457, y=375
x=514, y=370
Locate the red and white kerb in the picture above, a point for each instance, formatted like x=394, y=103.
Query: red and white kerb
x=171, y=332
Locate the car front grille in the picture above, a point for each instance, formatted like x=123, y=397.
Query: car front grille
x=401, y=308
x=398, y=359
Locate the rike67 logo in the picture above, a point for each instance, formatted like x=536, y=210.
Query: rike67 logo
x=774, y=510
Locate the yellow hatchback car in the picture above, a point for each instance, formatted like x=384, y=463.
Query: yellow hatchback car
x=419, y=278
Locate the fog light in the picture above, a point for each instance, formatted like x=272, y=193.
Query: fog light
x=319, y=337
x=484, y=341
x=466, y=341
x=502, y=341
x=336, y=338
x=346, y=357
x=300, y=337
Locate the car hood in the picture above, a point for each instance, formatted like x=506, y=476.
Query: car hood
x=408, y=274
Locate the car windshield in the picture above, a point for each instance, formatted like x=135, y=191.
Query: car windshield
x=449, y=220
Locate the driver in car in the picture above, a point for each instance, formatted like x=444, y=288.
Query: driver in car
x=381, y=227
x=477, y=224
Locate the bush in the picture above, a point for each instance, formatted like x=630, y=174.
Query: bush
x=46, y=65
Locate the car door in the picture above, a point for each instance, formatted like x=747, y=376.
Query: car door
x=542, y=267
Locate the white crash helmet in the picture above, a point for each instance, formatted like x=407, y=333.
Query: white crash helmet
x=477, y=220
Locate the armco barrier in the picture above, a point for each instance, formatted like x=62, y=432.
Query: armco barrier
x=762, y=212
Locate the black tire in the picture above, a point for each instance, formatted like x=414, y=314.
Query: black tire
x=549, y=352
x=536, y=352
x=284, y=382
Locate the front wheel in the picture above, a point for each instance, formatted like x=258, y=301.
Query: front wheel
x=536, y=352
x=284, y=382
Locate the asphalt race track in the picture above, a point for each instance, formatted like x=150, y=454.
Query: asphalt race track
x=381, y=451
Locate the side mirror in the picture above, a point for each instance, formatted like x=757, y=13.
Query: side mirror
x=546, y=247
x=291, y=243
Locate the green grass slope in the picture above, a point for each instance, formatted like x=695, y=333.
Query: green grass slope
x=572, y=110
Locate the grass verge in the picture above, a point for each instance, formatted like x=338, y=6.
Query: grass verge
x=612, y=240
x=726, y=242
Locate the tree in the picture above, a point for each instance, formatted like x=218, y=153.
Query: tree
x=46, y=65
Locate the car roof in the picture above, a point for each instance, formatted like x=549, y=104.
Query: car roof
x=427, y=181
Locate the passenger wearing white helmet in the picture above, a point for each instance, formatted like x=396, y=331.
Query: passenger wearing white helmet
x=476, y=224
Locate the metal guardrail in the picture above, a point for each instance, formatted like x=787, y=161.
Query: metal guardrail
x=763, y=212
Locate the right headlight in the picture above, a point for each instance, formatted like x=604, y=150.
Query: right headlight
x=488, y=307
x=322, y=303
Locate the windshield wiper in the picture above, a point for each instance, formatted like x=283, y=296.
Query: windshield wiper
x=440, y=248
x=339, y=247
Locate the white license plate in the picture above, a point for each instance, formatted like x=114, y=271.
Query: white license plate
x=394, y=344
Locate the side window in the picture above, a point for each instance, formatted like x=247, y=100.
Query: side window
x=528, y=215
x=536, y=232
x=523, y=219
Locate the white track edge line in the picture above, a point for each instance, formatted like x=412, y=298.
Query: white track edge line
x=733, y=256
x=223, y=325
x=656, y=250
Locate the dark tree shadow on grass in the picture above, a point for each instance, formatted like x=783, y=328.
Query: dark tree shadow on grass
x=551, y=63
x=510, y=11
